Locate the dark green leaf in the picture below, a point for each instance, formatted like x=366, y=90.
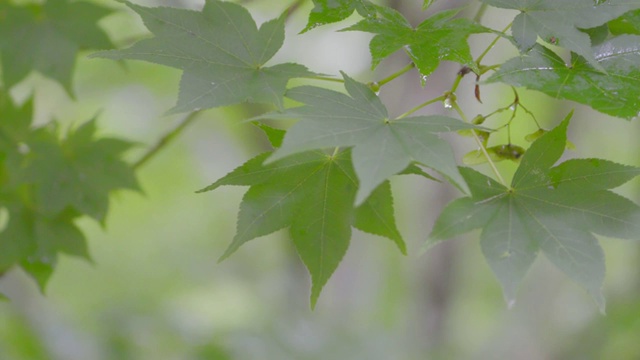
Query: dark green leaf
x=331, y=11
x=382, y=147
x=558, y=22
x=615, y=93
x=312, y=194
x=34, y=241
x=553, y=209
x=440, y=37
x=46, y=38
x=79, y=171
x=221, y=51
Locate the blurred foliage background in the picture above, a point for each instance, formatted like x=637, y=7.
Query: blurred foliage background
x=156, y=291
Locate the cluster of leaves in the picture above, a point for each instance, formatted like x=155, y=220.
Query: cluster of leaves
x=330, y=171
x=47, y=180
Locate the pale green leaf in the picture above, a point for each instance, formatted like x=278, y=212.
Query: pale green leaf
x=553, y=209
x=221, y=51
x=381, y=147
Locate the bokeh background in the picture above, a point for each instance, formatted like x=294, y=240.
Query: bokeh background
x=155, y=290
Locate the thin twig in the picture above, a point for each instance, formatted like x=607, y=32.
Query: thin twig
x=166, y=139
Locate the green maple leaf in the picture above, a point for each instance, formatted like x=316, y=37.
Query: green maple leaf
x=554, y=209
x=628, y=23
x=79, y=171
x=381, y=147
x=615, y=93
x=312, y=194
x=558, y=22
x=331, y=11
x=46, y=38
x=221, y=51
x=439, y=37
x=34, y=241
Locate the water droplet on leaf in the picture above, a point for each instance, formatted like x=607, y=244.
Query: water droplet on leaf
x=447, y=103
x=423, y=80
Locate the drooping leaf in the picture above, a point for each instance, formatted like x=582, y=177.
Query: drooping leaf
x=381, y=147
x=558, y=22
x=553, y=209
x=46, y=38
x=331, y=11
x=312, y=194
x=221, y=51
x=438, y=38
x=615, y=93
x=79, y=171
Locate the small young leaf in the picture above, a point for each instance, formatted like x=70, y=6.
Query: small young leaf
x=221, y=51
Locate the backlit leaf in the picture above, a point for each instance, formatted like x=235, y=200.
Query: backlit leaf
x=312, y=194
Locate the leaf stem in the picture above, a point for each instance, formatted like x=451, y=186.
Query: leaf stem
x=393, y=76
x=166, y=139
x=479, y=142
x=428, y=102
x=481, y=10
x=293, y=7
x=493, y=43
x=324, y=78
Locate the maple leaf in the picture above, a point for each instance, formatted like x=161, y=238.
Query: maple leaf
x=46, y=38
x=79, y=171
x=381, y=147
x=437, y=38
x=558, y=22
x=312, y=194
x=615, y=93
x=628, y=23
x=34, y=241
x=331, y=11
x=550, y=208
x=221, y=51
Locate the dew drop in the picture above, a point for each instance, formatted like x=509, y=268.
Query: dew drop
x=513, y=107
x=423, y=80
x=447, y=103
x=511, y=303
